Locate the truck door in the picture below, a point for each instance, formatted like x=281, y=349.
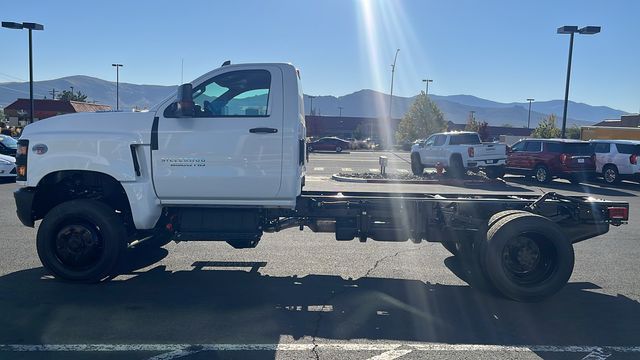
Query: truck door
x=231, y=149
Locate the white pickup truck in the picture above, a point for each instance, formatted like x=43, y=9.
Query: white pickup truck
x=224, y=160
x=459, y=151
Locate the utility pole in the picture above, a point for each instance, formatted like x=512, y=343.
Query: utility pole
x=71, y=91
x=340, y=108
x=53, y=93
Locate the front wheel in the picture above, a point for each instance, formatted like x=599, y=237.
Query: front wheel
x=338, y=149
x=81, y=240
x=416, y=165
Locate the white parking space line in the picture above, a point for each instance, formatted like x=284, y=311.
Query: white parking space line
x=175, y=354
x=390, y=355
x=318, y=169
x=374, y=170
x=347, y=169
x=403, y=171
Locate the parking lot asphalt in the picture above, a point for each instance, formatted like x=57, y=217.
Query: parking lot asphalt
x=305, y=295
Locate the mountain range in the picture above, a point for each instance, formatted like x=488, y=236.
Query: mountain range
x=364, y=103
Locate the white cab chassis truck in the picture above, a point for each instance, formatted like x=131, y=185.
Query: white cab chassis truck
x=224, y=160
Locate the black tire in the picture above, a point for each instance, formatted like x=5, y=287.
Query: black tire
x=81, y=240
x=452, y=247
x=416, y=164
x=610, y=174
x=456, y=167
x=338, y=149
x=494, y=172
x=541, y=174
x=310, y=149
x=527, y=257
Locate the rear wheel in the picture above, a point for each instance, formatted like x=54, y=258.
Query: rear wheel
x=338, y=149
x=81, y=240
x=456, y=167
x=416, y=164
x=494, y=172
x=541, y=174
x=610, y=174
x=527, y=257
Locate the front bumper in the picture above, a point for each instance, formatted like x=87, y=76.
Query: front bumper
x=24, y=205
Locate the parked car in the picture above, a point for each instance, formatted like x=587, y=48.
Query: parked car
x=8, y=145
x=545, y=159
x=328, y=144
x=458, y=151
x=7, y=167
x=617, y=160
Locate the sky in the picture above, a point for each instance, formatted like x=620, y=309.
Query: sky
x=505, y=51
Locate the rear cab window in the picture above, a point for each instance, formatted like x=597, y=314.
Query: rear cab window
x=533, y=146
x=464, y=139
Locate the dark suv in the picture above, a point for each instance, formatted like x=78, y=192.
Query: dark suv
x=545, y=159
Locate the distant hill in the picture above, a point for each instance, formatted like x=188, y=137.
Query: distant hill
x=101, y=91
x=366, y=103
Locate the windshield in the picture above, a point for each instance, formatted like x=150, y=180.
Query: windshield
x=9, y=142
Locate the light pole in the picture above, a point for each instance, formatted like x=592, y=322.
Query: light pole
x=571, y=30
x=117, y=66
x=426, y=90
x=30, y=27
x=311, y=100
x=393, y=71
x=529, y=117
x=340, y=108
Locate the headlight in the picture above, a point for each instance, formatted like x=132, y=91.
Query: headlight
x=5, y=162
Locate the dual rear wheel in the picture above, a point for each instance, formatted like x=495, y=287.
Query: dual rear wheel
x=524, y=256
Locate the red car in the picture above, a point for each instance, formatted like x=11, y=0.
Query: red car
x=545, y=159
x=328, y=144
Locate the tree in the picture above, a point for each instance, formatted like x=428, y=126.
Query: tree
x=573, y=132
x=1, y=114
x=547, y=128
x=482, y=128
x=72, y=96
x=423, y=119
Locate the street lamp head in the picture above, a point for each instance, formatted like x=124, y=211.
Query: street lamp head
x=589, y=30
x=32, y=26
x=11, y=25
x=531, y=99
x=117, y=65
x=567, y=29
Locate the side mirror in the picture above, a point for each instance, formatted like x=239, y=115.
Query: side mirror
x=185, y=107
x=509, y=149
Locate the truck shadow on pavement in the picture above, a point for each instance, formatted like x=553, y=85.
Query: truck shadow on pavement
x=218, y=302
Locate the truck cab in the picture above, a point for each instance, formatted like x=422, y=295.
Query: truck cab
x=234, y=137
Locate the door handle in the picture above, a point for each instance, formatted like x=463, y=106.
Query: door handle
x=263, y=130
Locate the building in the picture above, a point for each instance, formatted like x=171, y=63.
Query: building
x=17, y=113
x=349, y=127
x=495, y=132
x=631, y=120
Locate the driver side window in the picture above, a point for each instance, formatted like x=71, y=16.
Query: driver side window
x=430, y=141
x=242, y=93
